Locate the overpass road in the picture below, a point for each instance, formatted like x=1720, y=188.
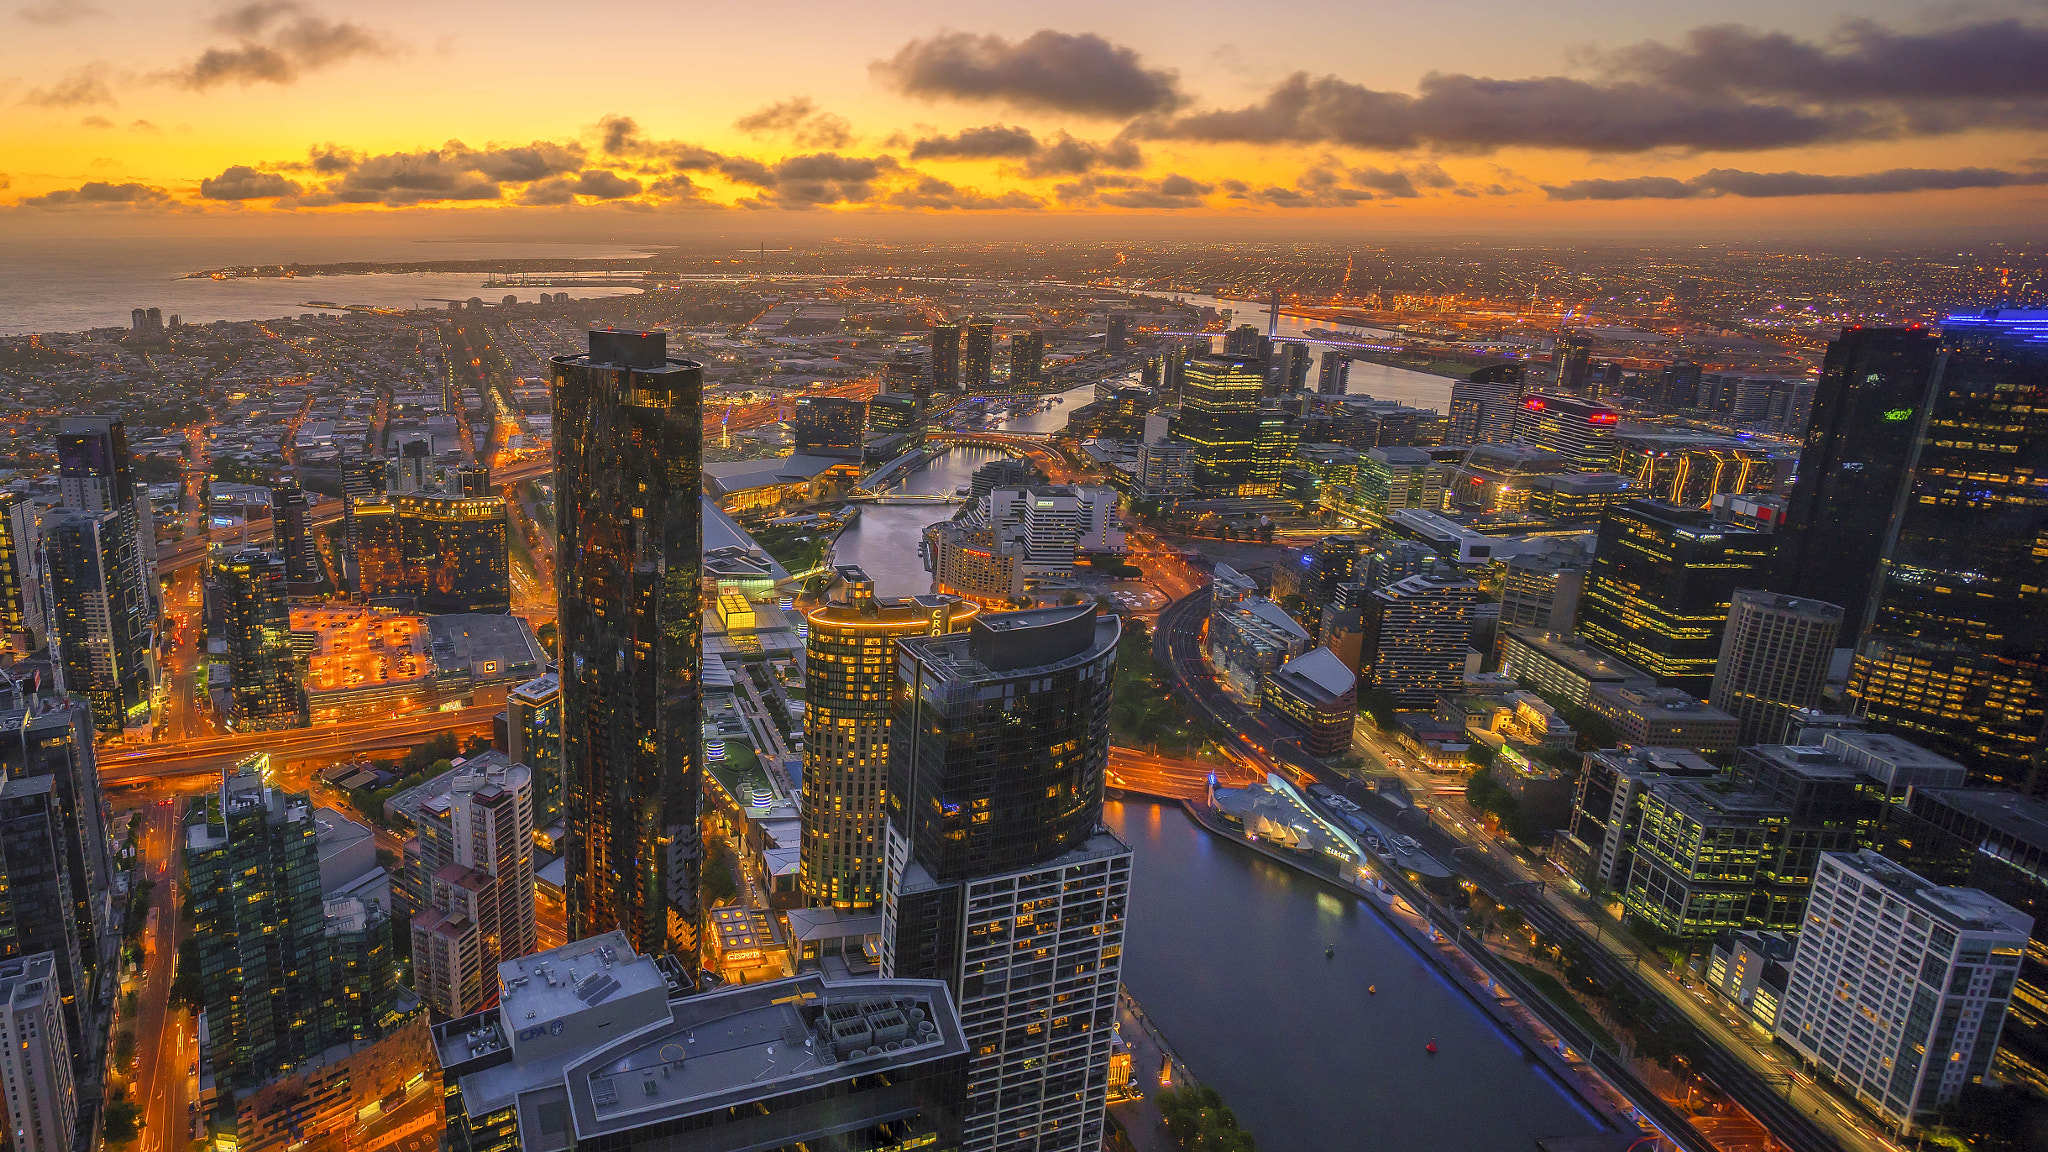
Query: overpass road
x=212, y=754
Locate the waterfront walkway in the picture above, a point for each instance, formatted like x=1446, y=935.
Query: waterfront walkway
x=1155, y=1065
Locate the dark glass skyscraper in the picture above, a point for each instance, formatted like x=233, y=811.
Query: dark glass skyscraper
x=1220, y=416
x=829, y=426
x=977, y=364
x=291, y=521
x=628, y=450
x=1873, y=386
x=100, y=632
x=1027, y=359
x=945, y=358
x=454, y=550
x=362, y=477
x=263, y=674
x=1663, y=578
x=1956, y=653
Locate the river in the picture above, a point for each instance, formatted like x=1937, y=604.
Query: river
x=1224, y=951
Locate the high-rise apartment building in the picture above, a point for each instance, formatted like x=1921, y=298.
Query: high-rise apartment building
x=476, y=860
x=1955, y=654
x=1027, y=360
x=829, y=426
x=1290, y=367
x=628, y=448
x=908, y=373
x=1483, y=406
x=1541, y=589
x=534, y=734
x=1329, y=563
x=1390, y=479
x=263, y=672
x=455, y=550
x=1246, y=342
x=35, y=1056
x=1333, y=373
x=1662, y=580
x=945, y=358
x=101, y=633
x=23, y=626
x=291, y=521
x=1118, y=337
x=1414, y=635
x=849, y=690
x=978, y=358
x=1581, y=431
x=252, y=866
x=1679, y=386
x=361, y=477
x=1002, y=880
x=96, y=474
x=1774, y=661
x=1220, y=416
x=1166, y=463
x=1055, y=523
x=1898, y=990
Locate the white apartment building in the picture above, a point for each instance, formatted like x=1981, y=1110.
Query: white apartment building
x=42, y=1102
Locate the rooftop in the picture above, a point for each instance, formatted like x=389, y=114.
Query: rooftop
x=485, y=645
x=727, y=477
x=2024, y=818
x=1321, y=670
x=1964, y=908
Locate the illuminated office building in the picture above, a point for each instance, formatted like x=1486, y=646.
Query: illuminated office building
x=1291, y=362
x=1220, y=416
x=102, y=635
x=454, y=547
x=1956, y=653
x=945, y=358
x=96, y=474
x=35, y=1057
x=1483, y=406
x=849, y=688
x=1027, y=359
x=628, y=449
x=1692, y=470
x=1873, y=385
x=1414, y=635
x=908, y=373
x=1002, y=880
x=534, y=738
x=23, y=625
x=1571, y=361
x=362, y=477
x=829, y=426
x=291, y=522
x=263, y=672
x=1662, y=581
x=977, y=361
x=1579, y=430
x=381, y=573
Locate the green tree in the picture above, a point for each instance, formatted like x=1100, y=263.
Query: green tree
x=124, y=1119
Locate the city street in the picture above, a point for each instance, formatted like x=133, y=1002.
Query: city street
x=166, y=1044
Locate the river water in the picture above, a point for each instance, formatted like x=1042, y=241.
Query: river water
x=1224, y=950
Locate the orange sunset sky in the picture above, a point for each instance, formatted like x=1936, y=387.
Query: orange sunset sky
x=1567, y=115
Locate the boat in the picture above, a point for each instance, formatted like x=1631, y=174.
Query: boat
x=1372, y=989
x=1430, y=1047
x=1330, y=952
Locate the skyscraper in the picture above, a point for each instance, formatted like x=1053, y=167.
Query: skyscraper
x=35, y=1056
x=1247, y=342
x=945, y=358
x=977, y=363
x=1774, y=661
x=291, y=519
x=1955, y=655
x=23, y=625
x=1943, y=961
x=908, y=373
x=829, y=426
x=534, y=721
x=1579, y=430
x=100, y=630
x=1483, y=406
x=96, y=474
x=849, y=686
x=361, y=477
x=628, y=449
x=476, y=859
x=1333, y=374
x=1874, y=387
x=263, y=672
x=455, y=551
x=1220, y=416
x=1002, y=880
x=1414, y=634
x=1663, y=578
x=1571, y=360
x=253, y=869
x=1291, y=362
x=1679, y=386
x=1027, y=359
x=1119, y=334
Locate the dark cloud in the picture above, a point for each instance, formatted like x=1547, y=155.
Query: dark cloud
x=989, y=142
x=97, y=193
x=5, y=181
x=1065, y=155
x=1460, y=113
x=56, y=13
x=81, y=88
x=95, y=122
x=1172, y=191
x=800, y=119
x=277, y=41
x=242, y=182
x=145, y=127
x=534, y=161
x=1062, y=72
x=814, y=180
x=1863, y=61
x=1766, y=185
x=620, y=136
x=932, y=193
x=606, y=185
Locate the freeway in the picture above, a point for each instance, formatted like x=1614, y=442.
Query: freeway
x=211, y=754
x=1745, y=1074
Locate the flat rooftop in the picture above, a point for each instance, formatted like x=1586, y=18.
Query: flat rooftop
x=2024, y=818
x=1965, y=908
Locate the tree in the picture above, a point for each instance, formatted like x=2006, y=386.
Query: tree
x=124, y=1119
x=1381, y=705
x=550, y=637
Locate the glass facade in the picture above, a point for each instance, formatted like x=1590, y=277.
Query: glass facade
x=628, y=455
x=100, y=631
x=1027, y=359
x=263, y=672
x=977, y=364
x=829, y=425
x=945, y=358
x=1873, y=385
x=1662, y=580
x=849, y=688
x=1956, y=653
x=454, y=548
x=1220, y=416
